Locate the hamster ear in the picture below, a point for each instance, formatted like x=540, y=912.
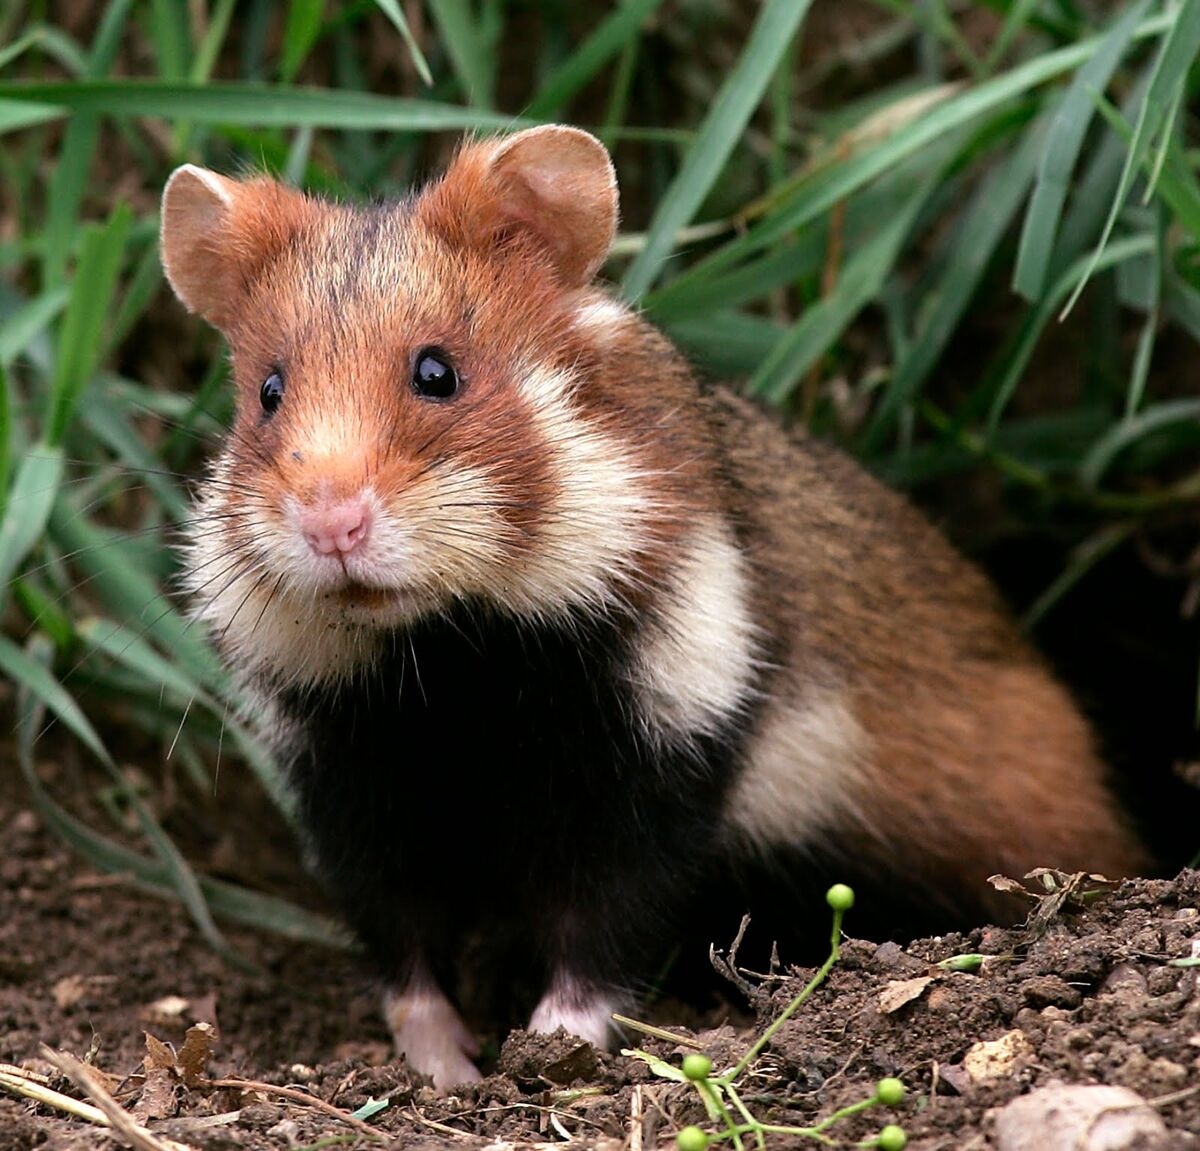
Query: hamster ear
x=554, y=182
x=216, y=232
x=197, y=216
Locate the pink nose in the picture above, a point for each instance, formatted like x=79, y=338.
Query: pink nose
x=336, y=527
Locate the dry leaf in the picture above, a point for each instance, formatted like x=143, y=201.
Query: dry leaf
x=160, y=1056
x=898, y=992
x=195, y=1053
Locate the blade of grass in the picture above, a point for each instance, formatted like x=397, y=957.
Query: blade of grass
x=986, y=220
x=1180, y=45
x=257, y=105
x=824, y=188
x=391, y=9
x=237, y=904
x=824, y=322
x=69, y=180
x=1036, y=321
x=1082, y=560
x=777, y=22
x=1060, y=153
x=619, y=28
x=17, y=114
x=22, y=327
x=35, y=488
x=34, y=677
x=81, y=341
x=1129, y=431
x=462, y=38
x=300, y=32
x=130, y=649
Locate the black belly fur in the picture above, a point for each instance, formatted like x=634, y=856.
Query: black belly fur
x=493, y=780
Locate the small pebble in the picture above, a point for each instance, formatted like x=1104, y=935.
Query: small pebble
x=1081, y=1118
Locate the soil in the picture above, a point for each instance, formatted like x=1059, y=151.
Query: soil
x=89, y=964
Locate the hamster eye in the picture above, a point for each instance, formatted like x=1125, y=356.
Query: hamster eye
x=270, y=395
x=434, y=376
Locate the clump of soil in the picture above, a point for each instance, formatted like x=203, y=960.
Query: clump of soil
x=90, y=964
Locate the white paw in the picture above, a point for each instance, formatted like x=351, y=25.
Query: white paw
x=577, y=1010
x=429, y=1033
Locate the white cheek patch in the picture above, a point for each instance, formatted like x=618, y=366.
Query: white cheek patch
x=578, y=1010
x=695, y=659
x=431, y=1035
x=600, y=517
x=602, y=316
x=803, y=769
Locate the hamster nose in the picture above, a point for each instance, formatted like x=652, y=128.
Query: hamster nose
x=336, y=528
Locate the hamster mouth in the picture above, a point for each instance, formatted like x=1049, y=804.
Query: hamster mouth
x=364, y=595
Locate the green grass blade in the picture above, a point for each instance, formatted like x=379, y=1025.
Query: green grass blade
x=984, y=224
x=210, y=44
x=23, y=326
x=1035, y=323
x=776, y=24
x=132, y=651
x=391, y=9
x=227, y=900
x=35, y=488
x=726, y=343
x=619, y=28
x=300, y=33
x=117, y=574
x=1176, y=56
x=824, y=188
x=251, y=105
x=36, y=681
x=82, y=338
x=824, y=322
x=17, y=114
x=463, y=39
x=34, y=677
x=1061, y=151
x=1083, y=559
x=1127, y=432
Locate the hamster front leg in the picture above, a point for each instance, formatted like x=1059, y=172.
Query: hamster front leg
x=429, y=1032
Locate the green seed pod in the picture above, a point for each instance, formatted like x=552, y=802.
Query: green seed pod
x=969, y=962
x=693, y=1139
x=840, y=897
x=892, y=1138
x=697, y=1066
x=890, y=1091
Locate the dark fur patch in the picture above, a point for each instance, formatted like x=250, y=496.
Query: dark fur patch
x=492, y=777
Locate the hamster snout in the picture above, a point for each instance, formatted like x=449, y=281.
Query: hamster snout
x=335, y=527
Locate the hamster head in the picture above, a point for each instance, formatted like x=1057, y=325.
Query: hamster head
x=432, y=407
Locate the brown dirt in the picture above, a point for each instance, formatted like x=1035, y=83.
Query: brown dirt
x=86, y=960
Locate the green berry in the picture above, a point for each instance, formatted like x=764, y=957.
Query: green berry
x=890, y=1091
x=697, y=1066
x=840, y=897
x=693, y=1139
x=891, y=1138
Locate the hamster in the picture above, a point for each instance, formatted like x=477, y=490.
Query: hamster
x=546, y=634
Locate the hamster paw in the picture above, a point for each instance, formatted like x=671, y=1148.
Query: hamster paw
x=577, y=1009
x=431, y=1035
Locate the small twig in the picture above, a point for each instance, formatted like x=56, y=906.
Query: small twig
x=636, y=1134
x=434, y=1125
x=656, y=1032
x=1174, y=1097
x=89, y=1080
x=297, y=1096
x=27, y=1085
